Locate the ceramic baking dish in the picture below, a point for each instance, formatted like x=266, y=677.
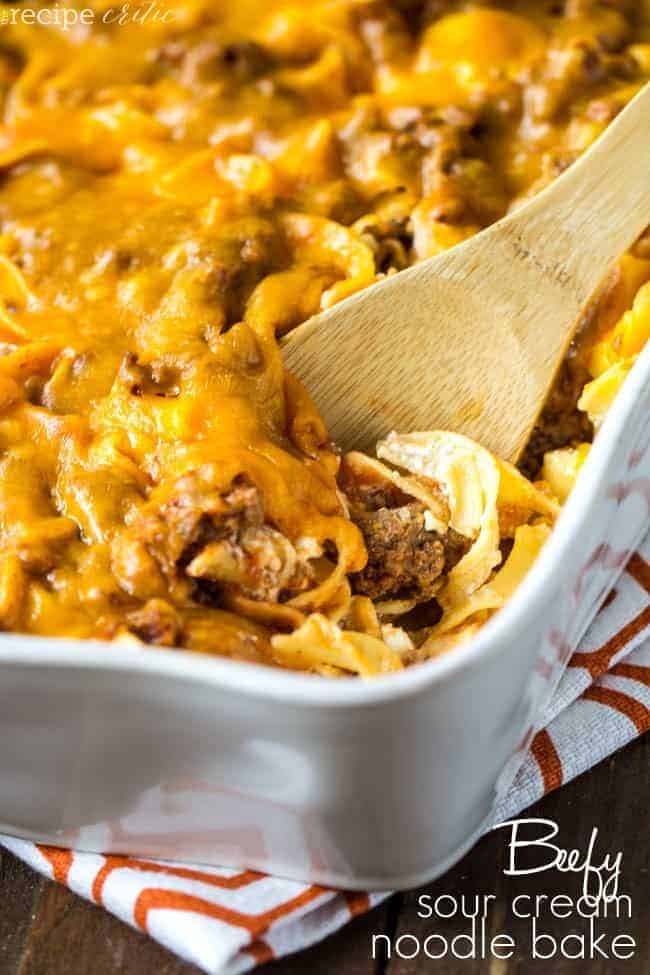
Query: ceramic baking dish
x=377, y=784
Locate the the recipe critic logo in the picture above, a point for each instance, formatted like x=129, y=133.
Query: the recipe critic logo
x=66, y=18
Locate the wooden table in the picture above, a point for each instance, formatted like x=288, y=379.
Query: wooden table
x=46, y=930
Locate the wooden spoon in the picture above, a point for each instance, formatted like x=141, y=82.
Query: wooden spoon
x=471, y=340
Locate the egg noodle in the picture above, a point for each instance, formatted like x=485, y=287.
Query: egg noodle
x=176, y=193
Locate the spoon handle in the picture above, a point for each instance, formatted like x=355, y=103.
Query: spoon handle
x=572, y=233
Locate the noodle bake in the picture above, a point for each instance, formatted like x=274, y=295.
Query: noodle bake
x=176, y=195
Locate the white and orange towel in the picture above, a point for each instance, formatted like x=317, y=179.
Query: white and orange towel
x=227, y=921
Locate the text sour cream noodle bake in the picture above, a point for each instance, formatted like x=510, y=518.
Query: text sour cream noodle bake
x=176, y=194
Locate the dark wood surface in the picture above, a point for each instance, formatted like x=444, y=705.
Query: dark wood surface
x=46, y=930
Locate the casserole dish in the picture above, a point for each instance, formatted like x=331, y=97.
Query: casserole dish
x=380, y=784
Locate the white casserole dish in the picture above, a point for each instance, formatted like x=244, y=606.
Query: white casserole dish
x=378, y=784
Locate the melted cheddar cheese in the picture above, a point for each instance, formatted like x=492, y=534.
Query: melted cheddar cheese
x=178, y=191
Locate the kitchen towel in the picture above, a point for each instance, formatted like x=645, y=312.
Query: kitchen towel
x=228, y=921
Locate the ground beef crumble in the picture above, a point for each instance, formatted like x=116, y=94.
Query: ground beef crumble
x=202, y=541
x=561, y=424
x=156, y=622
x=406, y=559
